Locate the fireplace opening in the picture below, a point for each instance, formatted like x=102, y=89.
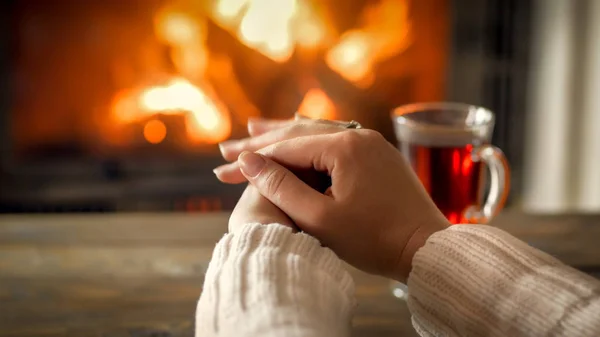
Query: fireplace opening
x=119, y=105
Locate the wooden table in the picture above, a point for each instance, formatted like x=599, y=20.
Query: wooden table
x=141, y=274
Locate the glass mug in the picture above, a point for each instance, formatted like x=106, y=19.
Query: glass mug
x=447, y=145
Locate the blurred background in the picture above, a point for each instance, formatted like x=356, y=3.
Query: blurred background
x=111, y=112
x=109, y=106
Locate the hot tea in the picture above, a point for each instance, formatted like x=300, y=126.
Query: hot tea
x=450, y=176
x=448, y=147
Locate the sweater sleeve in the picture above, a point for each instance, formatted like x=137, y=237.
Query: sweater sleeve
x=265, y=280
x=476, y=280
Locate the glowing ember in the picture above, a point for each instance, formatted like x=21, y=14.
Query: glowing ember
x=317, y=105
x=155, y=131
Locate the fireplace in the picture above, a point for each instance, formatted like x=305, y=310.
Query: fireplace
x=119, y=105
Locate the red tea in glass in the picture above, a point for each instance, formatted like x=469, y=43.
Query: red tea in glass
x=447, y=145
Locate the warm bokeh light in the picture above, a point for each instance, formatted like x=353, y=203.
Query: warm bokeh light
x=125, y=107
x=272, y=27
x=352, y=57
x=385, y=33
x=179, y=29
x=155, y=131
x=207, y=121
x=317, y=105
x=308, y=30
x=266, y=27
x=226, y=12
x=186, y=35
x=204, y=122
x=191, y=62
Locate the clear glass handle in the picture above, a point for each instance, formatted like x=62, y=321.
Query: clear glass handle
x=499, y=184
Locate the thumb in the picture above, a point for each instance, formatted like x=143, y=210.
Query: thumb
x=298, y=200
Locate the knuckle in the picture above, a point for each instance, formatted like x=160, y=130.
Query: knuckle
x=371, y=135
x=350, y=142
x=355, y=143
x=273, y=182
x=351, y=139
x=295, y=128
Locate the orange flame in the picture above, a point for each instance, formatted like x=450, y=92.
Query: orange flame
x=179, y=29
x=272, y=27
x=228, y=12
x=155, y=131
x=186, y=35
x=385, y=33
x=317, y=105
x=352, y=57
x=309, y=30
x=206, y=120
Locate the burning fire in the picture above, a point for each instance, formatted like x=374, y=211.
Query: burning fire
x=275, y=27
x=205, y=118
x=272, y=27
x=317, y=105
x=352, y=57
x=187, y=37
x=309, y=29
x=385, y=33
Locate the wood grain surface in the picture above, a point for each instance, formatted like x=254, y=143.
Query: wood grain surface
x=141, y=274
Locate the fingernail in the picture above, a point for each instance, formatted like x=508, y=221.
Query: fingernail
x=251, y=128
x=217, y=170
x=223, y=146
x=251, y=163
x=227, y=143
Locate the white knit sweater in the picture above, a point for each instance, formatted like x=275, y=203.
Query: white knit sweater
x=468, y=280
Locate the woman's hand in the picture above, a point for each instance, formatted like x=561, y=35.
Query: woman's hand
x=376, y=213
x=265, y=132
x=254, y=208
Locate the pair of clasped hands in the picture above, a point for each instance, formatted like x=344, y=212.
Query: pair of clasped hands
x=349, y=188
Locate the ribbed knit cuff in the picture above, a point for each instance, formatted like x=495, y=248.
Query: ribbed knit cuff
x=267, y=277
x=476, y=280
